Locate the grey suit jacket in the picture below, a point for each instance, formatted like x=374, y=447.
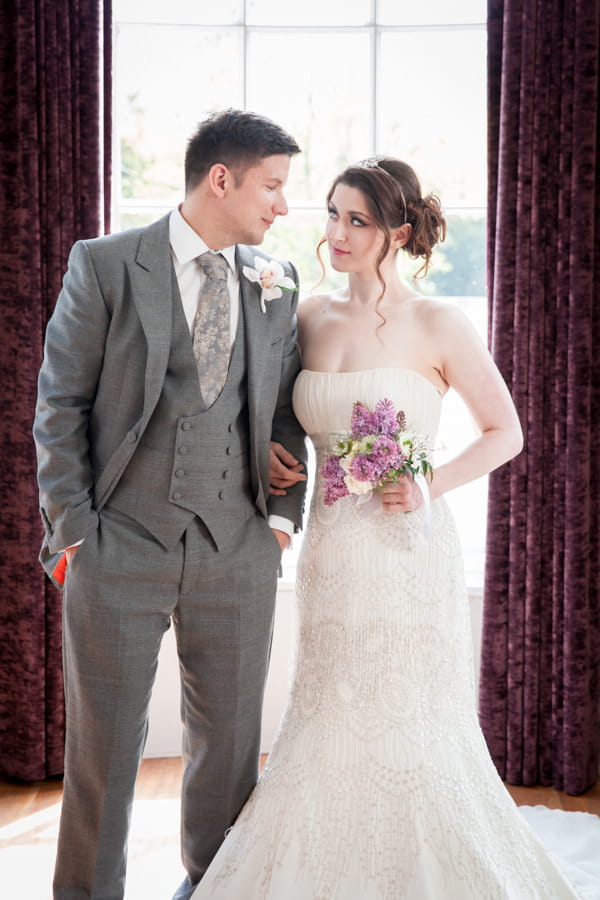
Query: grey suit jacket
x=106, y=352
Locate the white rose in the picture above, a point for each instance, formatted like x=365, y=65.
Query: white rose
x=355, y=486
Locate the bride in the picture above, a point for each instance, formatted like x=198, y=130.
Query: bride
x=379, y=785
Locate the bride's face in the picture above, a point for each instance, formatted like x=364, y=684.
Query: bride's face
x=353, y=237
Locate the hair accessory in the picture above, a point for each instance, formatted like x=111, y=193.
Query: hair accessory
x=372, y=162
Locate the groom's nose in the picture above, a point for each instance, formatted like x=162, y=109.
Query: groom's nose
x=280, y=207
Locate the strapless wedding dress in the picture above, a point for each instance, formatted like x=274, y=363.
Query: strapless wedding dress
x=380, y=785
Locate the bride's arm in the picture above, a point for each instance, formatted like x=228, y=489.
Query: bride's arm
x=467, y=366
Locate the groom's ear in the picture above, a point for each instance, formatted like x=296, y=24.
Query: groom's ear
x=220, y=179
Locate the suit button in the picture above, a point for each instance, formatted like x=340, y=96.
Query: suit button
x=131, y=437
x=179, y=473
x=226, y=473
x=228, y=451
x=221, y=494
x=230, y=427
x=185, y=426
x=183, y=450
x=176, y=496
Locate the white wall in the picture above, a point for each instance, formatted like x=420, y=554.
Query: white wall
x=164, y=737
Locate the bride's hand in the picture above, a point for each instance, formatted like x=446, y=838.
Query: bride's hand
x=401, y=496
x=284, y=469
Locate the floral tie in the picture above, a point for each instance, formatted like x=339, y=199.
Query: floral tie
x=211, y=331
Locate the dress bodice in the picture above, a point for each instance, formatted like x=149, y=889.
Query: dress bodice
x=323, y=400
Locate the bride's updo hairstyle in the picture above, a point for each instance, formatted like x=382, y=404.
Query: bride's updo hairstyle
x=393, y=194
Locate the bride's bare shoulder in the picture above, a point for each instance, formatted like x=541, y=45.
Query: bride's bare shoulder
x=435, y=313
x=315, y=305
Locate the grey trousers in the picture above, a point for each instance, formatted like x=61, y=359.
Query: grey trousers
x=122, y=591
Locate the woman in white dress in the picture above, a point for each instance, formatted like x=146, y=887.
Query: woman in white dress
x=380, y=785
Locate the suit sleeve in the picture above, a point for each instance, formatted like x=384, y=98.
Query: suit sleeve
x=286, y=429
x=73, y=357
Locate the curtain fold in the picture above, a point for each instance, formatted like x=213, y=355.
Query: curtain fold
x=540, y=668
x=55, y=108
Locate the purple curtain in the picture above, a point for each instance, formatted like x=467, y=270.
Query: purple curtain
x=55, y=109
x=540, y=687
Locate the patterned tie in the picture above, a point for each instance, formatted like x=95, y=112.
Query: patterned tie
x=211, y=331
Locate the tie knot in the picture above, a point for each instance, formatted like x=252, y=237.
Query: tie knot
x=214, y=265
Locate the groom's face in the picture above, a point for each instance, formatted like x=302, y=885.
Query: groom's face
x=255, y=203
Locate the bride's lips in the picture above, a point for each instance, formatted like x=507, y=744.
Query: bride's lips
x=339, y=252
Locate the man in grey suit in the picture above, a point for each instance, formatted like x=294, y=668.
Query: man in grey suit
x=153, y=451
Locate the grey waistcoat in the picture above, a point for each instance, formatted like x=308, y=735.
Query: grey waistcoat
x=192, y=461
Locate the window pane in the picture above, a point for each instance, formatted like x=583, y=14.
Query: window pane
x=458, y=263
x=138, y=218
x=431, y=12
x=159, y=106
x=308, y=12
x=322, y=101
x=436, y=119
x=179, y=12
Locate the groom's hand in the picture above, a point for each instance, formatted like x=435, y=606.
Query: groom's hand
x=283, y=539
x=284, y=470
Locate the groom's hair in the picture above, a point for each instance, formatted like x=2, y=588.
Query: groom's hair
x=236, y=138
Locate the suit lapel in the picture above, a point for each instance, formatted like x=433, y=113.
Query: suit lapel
x=257, y=335
x=256, y=324
x=152, y=290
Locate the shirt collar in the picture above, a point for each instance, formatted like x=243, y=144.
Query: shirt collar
x=187, y=244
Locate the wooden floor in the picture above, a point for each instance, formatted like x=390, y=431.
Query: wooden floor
x=29, y=822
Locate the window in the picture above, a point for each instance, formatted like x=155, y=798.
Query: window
x=349, y=79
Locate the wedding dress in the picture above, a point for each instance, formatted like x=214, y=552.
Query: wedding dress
x=380, y=785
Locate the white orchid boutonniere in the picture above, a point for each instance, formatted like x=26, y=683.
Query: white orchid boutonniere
x=272, y=280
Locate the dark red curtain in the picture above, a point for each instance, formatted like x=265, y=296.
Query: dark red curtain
x=55, y=110
x=540, y=686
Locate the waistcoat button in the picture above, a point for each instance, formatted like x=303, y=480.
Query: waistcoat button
x=183, y=450
x=131, y=437
x=185, y=426
x=176, y=496
x=179, y=473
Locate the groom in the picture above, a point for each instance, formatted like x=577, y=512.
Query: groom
x=164, y=379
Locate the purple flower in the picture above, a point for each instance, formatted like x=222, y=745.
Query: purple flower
x=387, y=454
x=333, y=475
x=385, y=418
x=365, y=468
x=361, y=421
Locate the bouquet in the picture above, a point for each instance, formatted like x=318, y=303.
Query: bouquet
x=378, y=449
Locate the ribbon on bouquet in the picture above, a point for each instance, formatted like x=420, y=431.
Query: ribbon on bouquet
x=421, y=483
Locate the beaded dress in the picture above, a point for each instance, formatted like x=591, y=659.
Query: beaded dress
x=380, y=785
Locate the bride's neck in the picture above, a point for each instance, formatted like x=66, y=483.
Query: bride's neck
x=365, y=287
